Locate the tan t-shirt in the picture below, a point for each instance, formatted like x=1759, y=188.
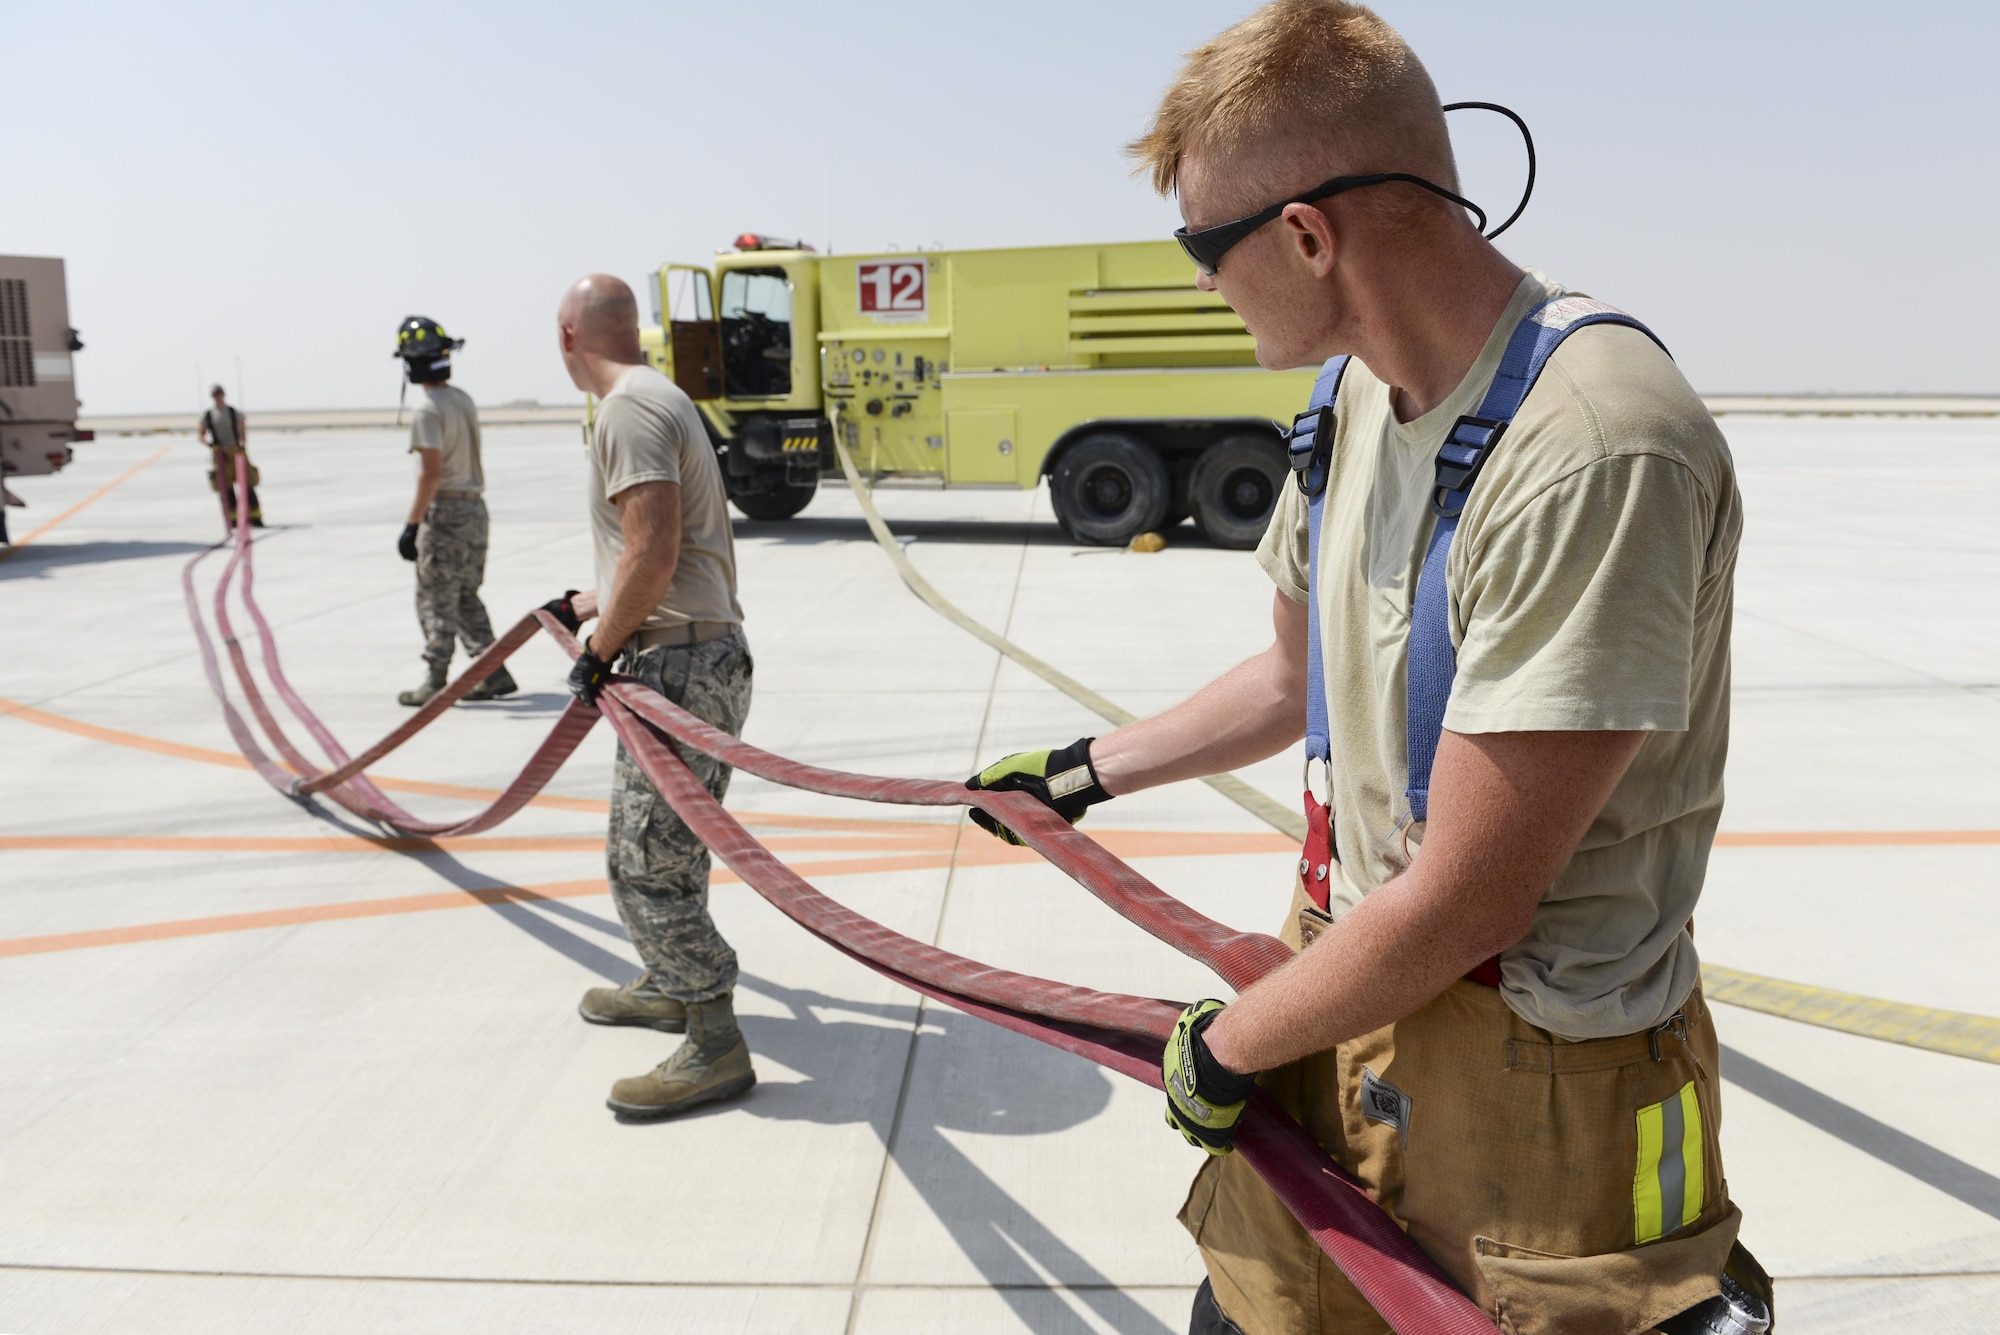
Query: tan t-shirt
x=647, y=430
x=223, y=424
x=445, y=420
x=1590, y=584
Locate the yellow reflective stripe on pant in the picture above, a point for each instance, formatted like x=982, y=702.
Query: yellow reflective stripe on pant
x=1667, y=1189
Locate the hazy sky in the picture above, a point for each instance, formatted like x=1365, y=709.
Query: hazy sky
x=1795, y=196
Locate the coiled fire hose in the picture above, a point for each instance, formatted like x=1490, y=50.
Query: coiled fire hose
x=1122, y=1033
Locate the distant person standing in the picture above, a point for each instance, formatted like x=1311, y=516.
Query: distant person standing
x=446, y=532
x=222, y=430
x=666, y=597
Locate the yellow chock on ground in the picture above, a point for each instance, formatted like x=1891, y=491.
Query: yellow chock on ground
x=1147, y=542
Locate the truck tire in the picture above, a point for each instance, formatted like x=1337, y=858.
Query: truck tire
x=780, y=500
x=1235, y=487
x=1108, y=489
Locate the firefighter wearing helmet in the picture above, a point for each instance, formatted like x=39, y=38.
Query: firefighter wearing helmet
x=446, y=532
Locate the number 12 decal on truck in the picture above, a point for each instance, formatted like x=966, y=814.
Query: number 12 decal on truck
x=892, y=289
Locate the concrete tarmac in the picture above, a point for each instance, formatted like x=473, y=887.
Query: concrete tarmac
x=268, y=1074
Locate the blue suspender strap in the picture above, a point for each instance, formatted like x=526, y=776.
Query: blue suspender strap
x=1433, y=663
x=1310, y=444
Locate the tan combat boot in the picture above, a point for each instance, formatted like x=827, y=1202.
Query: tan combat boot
x=638, y=1002
x=434, y=683
x=712, y=1063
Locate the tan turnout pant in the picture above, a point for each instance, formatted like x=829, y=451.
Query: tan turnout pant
x=1569, y=1188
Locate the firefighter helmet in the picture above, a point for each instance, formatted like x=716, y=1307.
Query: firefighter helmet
x=420, y=338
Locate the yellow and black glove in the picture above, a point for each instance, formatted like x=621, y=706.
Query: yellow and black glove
x=1204, y=1097
x=1062, y=781
x=588, y=675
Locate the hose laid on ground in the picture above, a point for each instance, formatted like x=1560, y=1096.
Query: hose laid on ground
x=1120, y=1032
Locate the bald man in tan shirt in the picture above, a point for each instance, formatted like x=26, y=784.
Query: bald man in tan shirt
x=666, y=594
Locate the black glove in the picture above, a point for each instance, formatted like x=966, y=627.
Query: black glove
x=407, y=544
x=588, y=675
x=1204, y=1097
x=1061, y=780
x=561, y=610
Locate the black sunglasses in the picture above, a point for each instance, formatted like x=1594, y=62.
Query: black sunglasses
x=1207, y=247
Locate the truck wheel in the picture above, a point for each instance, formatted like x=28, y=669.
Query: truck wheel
x=1235, y=487
x=1109, y=488
x=781, y=500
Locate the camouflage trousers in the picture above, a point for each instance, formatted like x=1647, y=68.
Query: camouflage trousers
x=451, y=565
x=222, y=477
x=658, y=869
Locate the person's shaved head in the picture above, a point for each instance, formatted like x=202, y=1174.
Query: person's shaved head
x=600, y=307
x=598, y=321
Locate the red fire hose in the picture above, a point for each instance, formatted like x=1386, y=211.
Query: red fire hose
x=1123, y=1033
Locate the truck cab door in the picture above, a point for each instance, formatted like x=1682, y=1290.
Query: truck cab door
x=694, y=337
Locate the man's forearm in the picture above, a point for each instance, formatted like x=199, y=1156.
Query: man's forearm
x=1251, y=712
x=1389, y=955
x=1507, y=811
x=641, y=578
x=1248, y=714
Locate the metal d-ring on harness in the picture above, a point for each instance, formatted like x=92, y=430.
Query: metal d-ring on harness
x=1432, y=660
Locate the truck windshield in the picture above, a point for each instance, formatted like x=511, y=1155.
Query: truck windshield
x=756, y=333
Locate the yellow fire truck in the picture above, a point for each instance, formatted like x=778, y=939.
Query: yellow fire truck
x=37, y=379
x=1101, y=368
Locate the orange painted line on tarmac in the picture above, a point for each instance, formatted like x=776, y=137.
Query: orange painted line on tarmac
x=198, y=843
x=347, y=910
x=91, y=499
x=1118, y=841
x=972, y=853
x=852, y=866
x=929, y=840
x=983, y=852
x=41, y=718
x=158, y=746
x=914, y=829
x=906, y=838
x=595, y=805
x=359, y=843
x=245, y=922
x=1855, y=838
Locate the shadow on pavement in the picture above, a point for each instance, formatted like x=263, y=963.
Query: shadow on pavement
x=986, y=1097
x=992, y=1228
x=1031, y=1090
x=1873, y=1137
x=40, y=558
x=522, y=705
